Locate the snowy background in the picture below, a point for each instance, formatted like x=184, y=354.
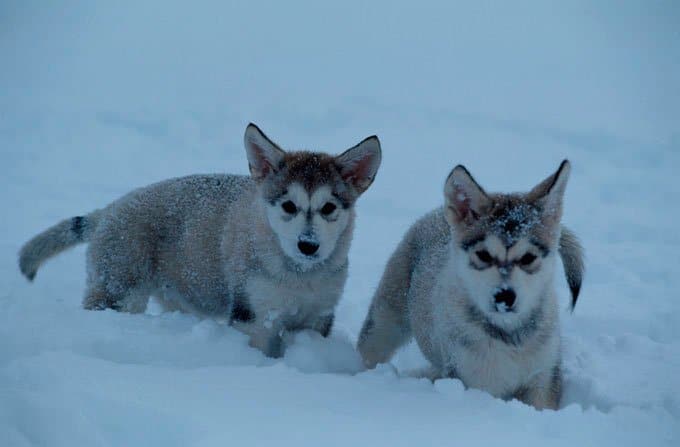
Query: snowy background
x=97, y=99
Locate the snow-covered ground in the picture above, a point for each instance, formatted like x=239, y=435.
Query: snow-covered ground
x=96, y=99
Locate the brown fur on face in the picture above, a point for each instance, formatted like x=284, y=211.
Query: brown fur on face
x=535, y=215
x=348, y=174
x=510, y=217
x=311, y=170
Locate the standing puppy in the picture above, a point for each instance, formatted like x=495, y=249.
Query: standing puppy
x=268, y=252
x=473, y=282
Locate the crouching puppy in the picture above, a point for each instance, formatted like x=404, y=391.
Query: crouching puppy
x=267, y=252
x=473, y=283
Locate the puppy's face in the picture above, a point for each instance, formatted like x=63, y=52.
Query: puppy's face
x=308, y=224
x=505, y=282
x=505, y=244
x=309, y=196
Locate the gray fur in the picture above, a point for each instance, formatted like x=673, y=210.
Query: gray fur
x=54, y=240
x=213, y=244
x=434, y=289
x=571, y=253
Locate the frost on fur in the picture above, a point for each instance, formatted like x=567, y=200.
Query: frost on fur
x=268, y=253
x=473, y=283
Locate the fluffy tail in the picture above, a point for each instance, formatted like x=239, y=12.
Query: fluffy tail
x=572, y=257
x=54, y=240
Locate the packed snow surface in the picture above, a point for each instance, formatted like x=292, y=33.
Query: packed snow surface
x=97, y=98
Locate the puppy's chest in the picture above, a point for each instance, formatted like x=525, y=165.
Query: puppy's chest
x=291, y=302
x=480, y=360
x=490, y=364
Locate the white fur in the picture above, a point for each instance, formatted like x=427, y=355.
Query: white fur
x=499, y=368
x=481, y=285
x=324, y=231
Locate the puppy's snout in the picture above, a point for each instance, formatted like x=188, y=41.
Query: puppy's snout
x=307, y=248
x=505, y=298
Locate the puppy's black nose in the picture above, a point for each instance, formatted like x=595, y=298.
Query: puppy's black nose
x=505, y=296
x=307, y=248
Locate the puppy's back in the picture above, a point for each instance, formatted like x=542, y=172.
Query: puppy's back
x=170, y=233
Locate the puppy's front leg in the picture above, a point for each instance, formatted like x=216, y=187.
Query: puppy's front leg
x=324, y=324
x=268, y=341
x=264, y=335
x=545, y=391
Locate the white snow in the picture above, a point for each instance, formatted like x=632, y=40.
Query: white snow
x=97, y=98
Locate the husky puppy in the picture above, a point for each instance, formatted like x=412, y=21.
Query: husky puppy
x=473, y=283
x=267, y=252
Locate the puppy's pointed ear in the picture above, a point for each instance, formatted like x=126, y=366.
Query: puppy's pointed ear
x=264, y=156
x=549, y=192
x=359, y=165
x=465, y=199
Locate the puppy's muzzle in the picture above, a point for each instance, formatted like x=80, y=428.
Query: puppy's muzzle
x=307, y=246
x=505, y=299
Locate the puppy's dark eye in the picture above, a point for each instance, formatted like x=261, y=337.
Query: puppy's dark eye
x=527, y=259
x=289, y=207
x=328, y=208
x=484, y=256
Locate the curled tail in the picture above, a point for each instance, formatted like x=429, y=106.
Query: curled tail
x=571, y=253
x=54, y=240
